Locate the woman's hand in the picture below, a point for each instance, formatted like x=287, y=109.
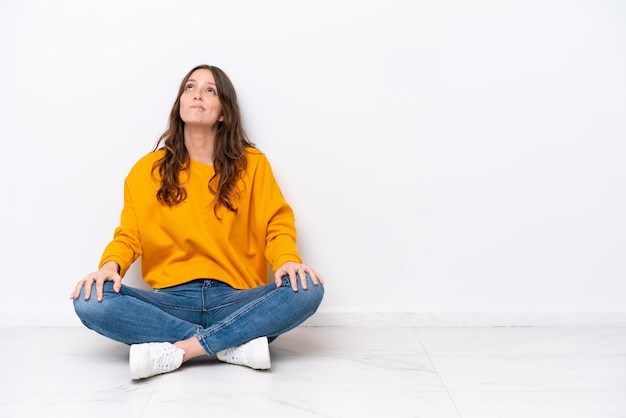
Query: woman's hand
x=107, y=273
x=290, y=269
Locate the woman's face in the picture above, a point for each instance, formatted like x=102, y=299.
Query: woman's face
x=199, y=102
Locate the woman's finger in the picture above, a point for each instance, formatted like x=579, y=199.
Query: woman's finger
x=88, y=283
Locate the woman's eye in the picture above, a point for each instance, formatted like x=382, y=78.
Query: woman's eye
x=188, y=87
x=211, y=91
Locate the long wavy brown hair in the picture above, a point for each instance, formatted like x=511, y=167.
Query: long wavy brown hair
x=229, y=154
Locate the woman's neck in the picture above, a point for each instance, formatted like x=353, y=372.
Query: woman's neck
x=199, y=144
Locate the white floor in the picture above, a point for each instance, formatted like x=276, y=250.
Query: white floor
x=329, y=372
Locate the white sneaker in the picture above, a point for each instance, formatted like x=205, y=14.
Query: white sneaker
x=150, y=359
x=254, y=354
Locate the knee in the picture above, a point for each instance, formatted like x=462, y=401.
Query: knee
x=310, y=299
x=86, y=309
x=89, y=309
x=313, y=293
x=316, y=291
x=313, y=290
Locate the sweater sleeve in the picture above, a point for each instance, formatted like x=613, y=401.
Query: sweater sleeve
x=280, y=238
x=126, y=244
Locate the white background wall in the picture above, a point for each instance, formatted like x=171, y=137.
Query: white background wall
x=443, y=157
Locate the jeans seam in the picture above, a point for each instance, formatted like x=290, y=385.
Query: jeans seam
x=202, y=335
x=158, y=303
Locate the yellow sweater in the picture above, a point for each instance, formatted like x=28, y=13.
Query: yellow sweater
x=185, y=242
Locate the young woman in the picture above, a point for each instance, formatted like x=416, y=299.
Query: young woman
x=204, y=212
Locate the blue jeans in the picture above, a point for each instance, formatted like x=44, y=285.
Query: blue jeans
x=219, y=316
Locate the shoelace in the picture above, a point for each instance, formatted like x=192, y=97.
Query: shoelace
x=235, y=354
x=165, y=360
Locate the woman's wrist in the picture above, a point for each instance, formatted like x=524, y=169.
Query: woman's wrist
x=111, y=265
